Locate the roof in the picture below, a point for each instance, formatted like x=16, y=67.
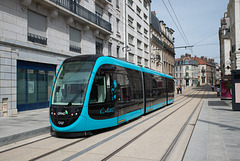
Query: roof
x=199, y=60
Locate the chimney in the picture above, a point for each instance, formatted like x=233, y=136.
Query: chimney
x=153, y=12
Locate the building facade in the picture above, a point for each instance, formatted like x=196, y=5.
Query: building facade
x=225, y=47
x=186, y=71
x=162, y=46
x=194, y=71
x=233, y=11
x=36, y=36
x=137, y=40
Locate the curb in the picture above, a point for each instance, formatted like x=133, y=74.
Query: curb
x=22, y=136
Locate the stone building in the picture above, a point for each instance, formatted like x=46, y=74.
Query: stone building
x=137, y=22
x=225, y=47
x=233, y=10
x=36, y=36
x=162, y=46
x=193, y=71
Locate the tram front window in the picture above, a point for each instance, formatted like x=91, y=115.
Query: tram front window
x=71, y=83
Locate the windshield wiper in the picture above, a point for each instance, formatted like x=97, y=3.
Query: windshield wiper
x=75, y=97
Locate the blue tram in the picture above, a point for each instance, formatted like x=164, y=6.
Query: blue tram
x=93, y=92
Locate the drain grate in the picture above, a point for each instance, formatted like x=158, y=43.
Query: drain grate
x=217, y=103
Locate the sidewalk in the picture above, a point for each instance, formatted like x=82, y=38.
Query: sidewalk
x=25, y=125
x=217, y=132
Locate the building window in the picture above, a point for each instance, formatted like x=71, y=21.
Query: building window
x=139, y=44
x=145, y=17
x=118, y=50
x=98, y=11
x=37, y=27
x=75, y=40
x=145, y=47
x=117, y=4
x=187, y=67
x=118, y=26
x=139, y=28
x=130, y=21
x=138, y=11
x=145, y=32
x=130, y=39
x=130, y=3
x=145, y=4
x=131, y=57
x=99, y=46
x=146, y=62
x=139, y=60
x=109, y=49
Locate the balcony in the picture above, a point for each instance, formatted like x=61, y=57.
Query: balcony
x=77, y=9
x=37, y=39
x=105, y=2
x=75, y=48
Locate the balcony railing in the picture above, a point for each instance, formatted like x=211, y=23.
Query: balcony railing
x=37, y=39
x=84, y=13
x=75, y=48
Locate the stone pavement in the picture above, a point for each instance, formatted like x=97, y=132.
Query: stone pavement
x=25, y=125
x=217, y=133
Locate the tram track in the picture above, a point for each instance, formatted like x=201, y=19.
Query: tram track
x=48, y=137
x=145, y=131
x=174, y=142
x=180, y=100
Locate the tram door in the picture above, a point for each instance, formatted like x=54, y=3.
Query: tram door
x=119, y=86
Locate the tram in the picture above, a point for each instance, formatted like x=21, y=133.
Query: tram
x=92, y=92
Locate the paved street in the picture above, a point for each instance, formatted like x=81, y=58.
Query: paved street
x=215, y=136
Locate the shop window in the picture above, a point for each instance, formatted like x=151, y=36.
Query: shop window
x=21, y=86
x=34, y=84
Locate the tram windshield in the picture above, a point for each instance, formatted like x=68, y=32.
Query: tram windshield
x=71, y=83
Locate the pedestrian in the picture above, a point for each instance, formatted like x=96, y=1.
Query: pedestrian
x=177, y=90
x=212, y=88
x=218, y=91
x=180, y=88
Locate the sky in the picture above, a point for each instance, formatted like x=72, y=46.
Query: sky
x=199, y=22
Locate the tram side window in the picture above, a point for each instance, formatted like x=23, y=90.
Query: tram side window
x=99, y=89
x=129, y=86
x=103, y=84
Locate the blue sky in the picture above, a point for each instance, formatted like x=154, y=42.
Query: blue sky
x=200, y=21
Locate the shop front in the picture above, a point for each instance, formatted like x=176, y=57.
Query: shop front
x=34, y=84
